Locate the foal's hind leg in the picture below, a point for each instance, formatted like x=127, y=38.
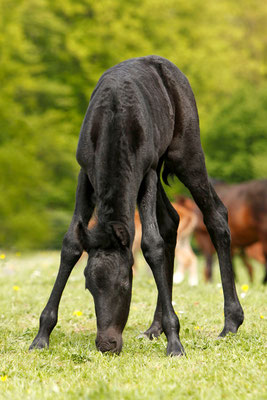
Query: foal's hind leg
x=153, y=247
x=70, y=254
x=187, y=161
x=168, y=221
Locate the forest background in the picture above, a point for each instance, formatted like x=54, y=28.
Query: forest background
x=52, y=53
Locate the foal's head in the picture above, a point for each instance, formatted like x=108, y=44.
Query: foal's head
x=108, y=276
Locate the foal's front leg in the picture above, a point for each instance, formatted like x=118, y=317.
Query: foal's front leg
x=70, y=254
x=168, y=221
x=154, y=252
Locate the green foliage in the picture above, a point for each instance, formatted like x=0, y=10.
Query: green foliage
x=235, y=143
x=53, y=52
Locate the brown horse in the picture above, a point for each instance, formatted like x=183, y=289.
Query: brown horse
x=184, y=255
x=247, y=210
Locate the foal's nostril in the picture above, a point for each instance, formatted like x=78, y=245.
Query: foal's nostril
x=105, y=345
x=111, y=345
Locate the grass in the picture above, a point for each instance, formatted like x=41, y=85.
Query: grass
x=231, y=368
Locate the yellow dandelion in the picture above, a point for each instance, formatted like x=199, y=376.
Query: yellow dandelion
x=77, y=313
x=2, y=256
x=197, y=328
x=261, y=316
x=16, y=288
x=3, y=378
x=245, y=288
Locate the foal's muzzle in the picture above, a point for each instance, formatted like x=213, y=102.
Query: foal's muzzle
x=105, y=342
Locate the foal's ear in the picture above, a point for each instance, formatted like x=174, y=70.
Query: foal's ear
x=121, y=233
x=83, y=236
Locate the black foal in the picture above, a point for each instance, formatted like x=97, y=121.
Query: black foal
x=142, y=115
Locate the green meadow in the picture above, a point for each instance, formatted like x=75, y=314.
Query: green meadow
x=72, y=368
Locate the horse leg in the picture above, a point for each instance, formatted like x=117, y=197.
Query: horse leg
x=265, y=265
x=263, y=240
x=265, y=274
x=160, y=259
x=189, y=166
x=208, y=268
x=168, y=221
x=70, y=254
x=179, y=275
x=193, y=272
x=247, y=264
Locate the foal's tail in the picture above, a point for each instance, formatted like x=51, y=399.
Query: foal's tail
x=165, y=174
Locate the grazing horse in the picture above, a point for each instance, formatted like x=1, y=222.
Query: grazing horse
x=142, y=115
x=247, y=208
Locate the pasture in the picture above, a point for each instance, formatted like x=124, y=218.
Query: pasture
x=231, y=368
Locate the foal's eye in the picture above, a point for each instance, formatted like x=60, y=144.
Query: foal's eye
x=124, y=286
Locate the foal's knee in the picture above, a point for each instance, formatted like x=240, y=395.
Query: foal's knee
x=71, y=247
x=152, y=248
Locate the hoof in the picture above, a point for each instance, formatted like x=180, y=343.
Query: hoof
x=153, y=332
x=175, y=349
x=233, y=322
x=229, y=328
x=225, y=332
x=39, y=343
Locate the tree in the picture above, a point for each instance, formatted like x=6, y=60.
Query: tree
x=235, y=144
x=52, y=54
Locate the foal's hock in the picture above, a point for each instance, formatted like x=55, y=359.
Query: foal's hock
x=142, y=116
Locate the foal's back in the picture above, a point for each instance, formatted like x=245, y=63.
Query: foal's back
x=136, y=108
